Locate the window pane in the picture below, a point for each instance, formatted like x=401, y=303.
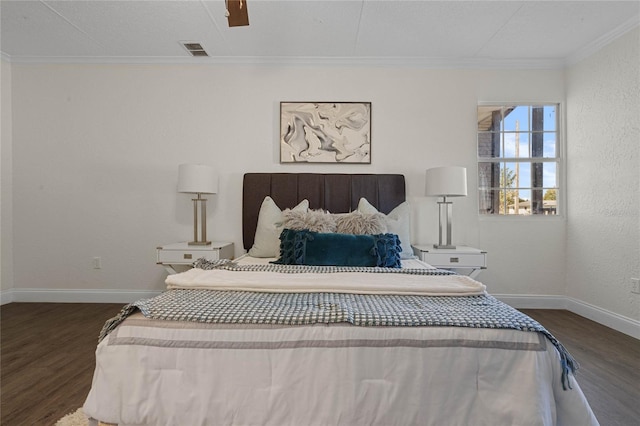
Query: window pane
x=536, y=206
x=489, y=118
x=523, y=173
x=550, y=118
x=516, y=119
x=485, y=175
x=508, y=175
x=522, y=145
x=525, y=195
x=517, y=138
x=489, y=145
x=537, y=118
x=510, y=145
x=549, y=145
x=518, y=203
x=537, y=175
x=486, y=201
x=549, y=175
x=503, y=198
x=549, y=200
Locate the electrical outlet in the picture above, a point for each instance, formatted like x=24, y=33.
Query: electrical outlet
x=97, y=263
x=635, y=285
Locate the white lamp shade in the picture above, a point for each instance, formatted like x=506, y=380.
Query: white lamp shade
x=197, y=179
x=448, y=181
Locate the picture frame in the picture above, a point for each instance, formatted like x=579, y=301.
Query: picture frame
x=325, y=132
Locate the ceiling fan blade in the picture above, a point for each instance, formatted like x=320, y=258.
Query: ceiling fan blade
x=238, y=15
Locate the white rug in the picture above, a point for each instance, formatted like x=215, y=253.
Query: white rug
x=76, y=418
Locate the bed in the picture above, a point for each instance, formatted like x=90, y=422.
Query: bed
x=253, y=342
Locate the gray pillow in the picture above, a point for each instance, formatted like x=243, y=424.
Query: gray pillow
x=359, y=223
x=313, y=220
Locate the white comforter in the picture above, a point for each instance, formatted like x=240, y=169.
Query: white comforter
x=337, y=282
x=151, y=372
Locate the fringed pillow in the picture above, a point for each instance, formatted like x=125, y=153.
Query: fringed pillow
x=388, y=249
x=359, y=223
x=313, y=220
x=314, y=248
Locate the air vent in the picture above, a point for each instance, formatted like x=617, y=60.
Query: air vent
x=195, y=49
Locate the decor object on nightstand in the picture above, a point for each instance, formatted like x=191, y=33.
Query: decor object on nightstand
x=450, y=181
x=198, y=179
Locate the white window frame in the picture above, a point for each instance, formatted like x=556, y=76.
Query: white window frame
x=561, y=195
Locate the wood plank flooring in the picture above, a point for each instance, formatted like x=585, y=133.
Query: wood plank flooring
x=47, y=361
x=609, y=373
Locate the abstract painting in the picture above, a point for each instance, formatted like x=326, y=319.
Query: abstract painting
x=325, y=132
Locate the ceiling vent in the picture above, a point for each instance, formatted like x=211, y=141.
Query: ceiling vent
x=195, y=49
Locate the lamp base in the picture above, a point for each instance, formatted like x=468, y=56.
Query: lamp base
x=444, y=246
x=199, y=240
x=444, y=219
x=199, y=243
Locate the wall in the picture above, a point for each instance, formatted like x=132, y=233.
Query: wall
x=603, y=244
x=96, y=149
x=6, y=199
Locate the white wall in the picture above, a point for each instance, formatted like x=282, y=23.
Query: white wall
x=6, y=199
x=96, y=149
x=603, y=245
x=526, y=254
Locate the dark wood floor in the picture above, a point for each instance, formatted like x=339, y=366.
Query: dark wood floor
x=609, y=373
x=47, y=361
x=47, y=357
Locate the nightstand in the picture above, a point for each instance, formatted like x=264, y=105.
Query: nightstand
x=183, y=254
x=461, y=259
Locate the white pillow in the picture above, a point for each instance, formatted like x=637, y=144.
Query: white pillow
x=266, y=242
x=398, y=222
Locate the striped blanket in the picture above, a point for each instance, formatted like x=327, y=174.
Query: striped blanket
x=366, y=310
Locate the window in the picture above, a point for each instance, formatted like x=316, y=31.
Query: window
x=518, y=159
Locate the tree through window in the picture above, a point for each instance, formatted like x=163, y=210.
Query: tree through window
x=518, y=159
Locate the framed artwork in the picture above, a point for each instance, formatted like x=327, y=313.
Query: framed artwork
x=325, y=132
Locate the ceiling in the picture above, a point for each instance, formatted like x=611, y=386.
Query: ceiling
x=431, y=33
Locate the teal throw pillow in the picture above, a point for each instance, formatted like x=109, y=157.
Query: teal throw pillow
x=304, y=247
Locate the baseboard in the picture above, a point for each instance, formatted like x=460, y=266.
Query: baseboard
x=628, y=326
x=533, y=301
x=43, y=295
x=6, y=296
x=620, y=323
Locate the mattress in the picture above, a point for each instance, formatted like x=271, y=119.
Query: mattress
x=159, y=372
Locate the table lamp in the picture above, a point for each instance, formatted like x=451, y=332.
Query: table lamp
x=450, y=181
x=198, y=179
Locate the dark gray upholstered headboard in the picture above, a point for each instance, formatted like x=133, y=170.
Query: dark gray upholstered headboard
x=337, y=193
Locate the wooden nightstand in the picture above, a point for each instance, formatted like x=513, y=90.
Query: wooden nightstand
x=183, y=254
x=462, y=259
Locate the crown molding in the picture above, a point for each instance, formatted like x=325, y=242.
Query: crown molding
x=413, y=62
x=602, y=41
